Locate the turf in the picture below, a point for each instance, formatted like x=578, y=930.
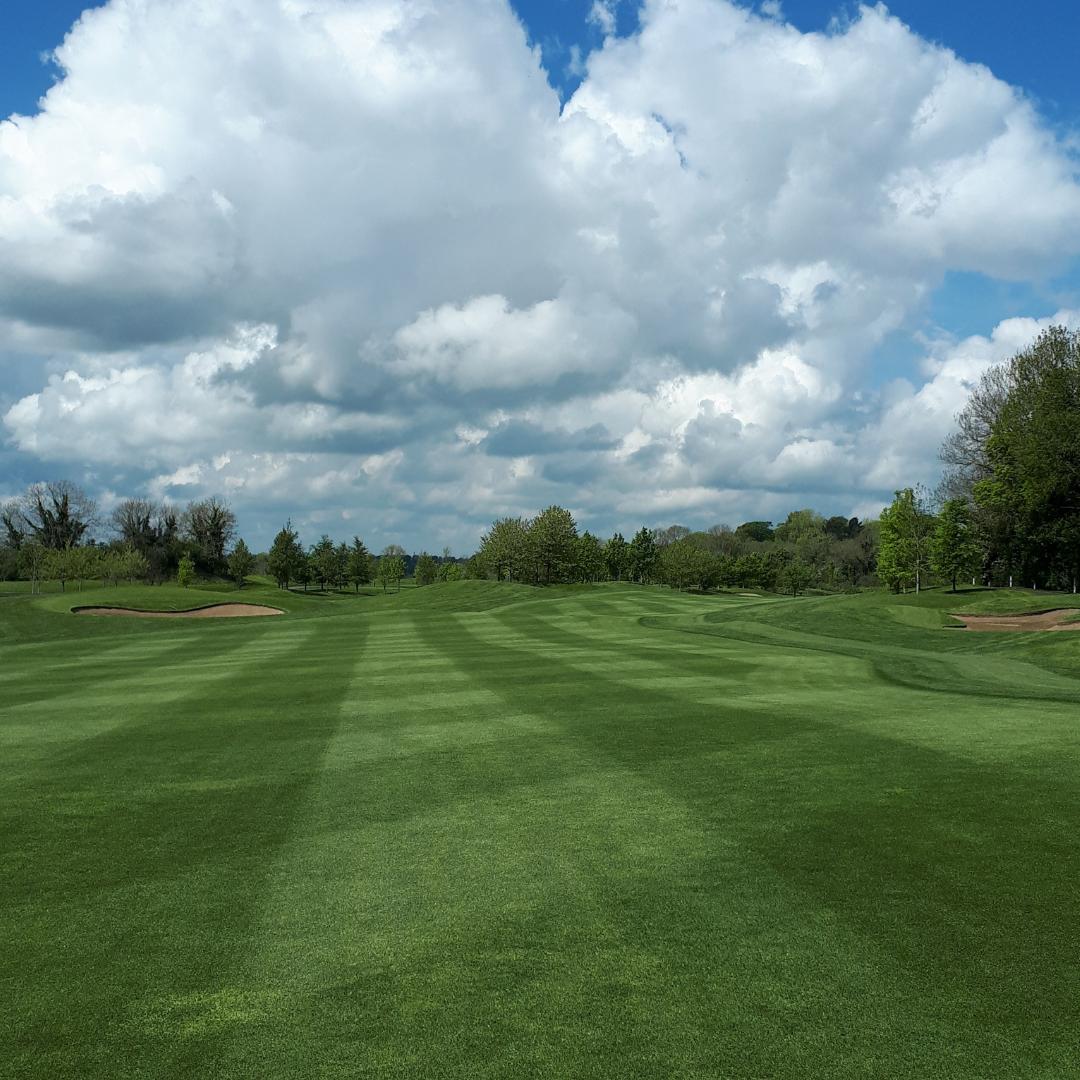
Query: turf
x=482, y=830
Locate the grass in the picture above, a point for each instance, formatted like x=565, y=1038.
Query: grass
x=481, y=830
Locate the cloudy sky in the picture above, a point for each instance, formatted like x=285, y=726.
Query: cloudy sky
x=398, y=267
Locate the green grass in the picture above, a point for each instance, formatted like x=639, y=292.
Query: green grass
x=482, y=830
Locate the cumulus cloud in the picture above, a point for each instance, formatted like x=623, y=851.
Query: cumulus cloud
x=351, y=257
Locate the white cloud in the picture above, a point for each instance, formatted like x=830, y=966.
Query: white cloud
x=317, y=240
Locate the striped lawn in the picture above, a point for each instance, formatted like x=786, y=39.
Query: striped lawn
x=481, y=830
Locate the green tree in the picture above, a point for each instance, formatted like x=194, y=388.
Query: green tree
x=451, y=571
x=905, y=530
x=617, y=556
x=358, y=568
x=506, y=549
x=761, y=531
x=553, y=535
x=643, y=556
x=954, y=549
x=33, y=561
x=185, y=573
x=427, y=570
x=390, y=571
x=323, y=561
x=590, y=557
x=686, y=565
x=285, y=557
x=241, y=563
x=796, y=576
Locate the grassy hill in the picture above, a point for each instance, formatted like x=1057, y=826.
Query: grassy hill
x=483, y=830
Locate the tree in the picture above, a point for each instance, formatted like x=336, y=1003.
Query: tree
x=685, y=565
x=285, y=556
x=590, y=557
x=185, y=573
x=451, y=571
x=617, y=556
x=358, y=565
x=390, y=570
x=152, y=529
x=341, y=566
x=760, y=531
x=906, y=527
x=56, y=515
x=323, y=561
x=241, y=563
x=33, y=560
x=553, y=536
x=427, y=570
x=954, y=549
x=1016, y=455
x=643, y=556
x=209, y=525
x=800, y=525
x=796, y=576
x=506, y=549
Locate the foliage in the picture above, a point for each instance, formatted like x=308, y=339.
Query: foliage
x=643, y=556
x=427, y=570
x=390, y=569
x=904, y=553
x=358, y=564
x=241, y=563
x=506, y=549
x=323, y=560
x=590, y=559
x=761, y=531
x=617, y=557
x=209, y=526
x=286, y=556
x=185, y=573
x=954, y=549
x=553, y=544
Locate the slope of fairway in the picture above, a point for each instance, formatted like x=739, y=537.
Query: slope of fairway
x=482, y=830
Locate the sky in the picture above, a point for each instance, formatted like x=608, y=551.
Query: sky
x=400, y=267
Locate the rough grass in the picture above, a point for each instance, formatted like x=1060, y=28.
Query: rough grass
x=490, y=831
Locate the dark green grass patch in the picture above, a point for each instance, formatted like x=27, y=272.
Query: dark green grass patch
x=480, y=830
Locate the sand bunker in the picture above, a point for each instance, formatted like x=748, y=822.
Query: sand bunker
x=1040, y=620
x=213, y=611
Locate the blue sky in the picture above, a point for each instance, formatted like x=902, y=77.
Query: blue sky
x=1032, y=45
x=710, y=290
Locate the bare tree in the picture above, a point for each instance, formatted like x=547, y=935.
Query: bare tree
x=56, y=515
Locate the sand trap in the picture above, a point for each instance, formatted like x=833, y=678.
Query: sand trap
x=1040, y=620
x=213, y=611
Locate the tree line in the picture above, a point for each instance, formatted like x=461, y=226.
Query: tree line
x=1007, y=511
x=805, y=550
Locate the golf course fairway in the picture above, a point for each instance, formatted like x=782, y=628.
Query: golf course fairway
x=481, y=830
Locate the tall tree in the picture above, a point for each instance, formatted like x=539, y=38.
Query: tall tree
x=323, y=560
x=553, y=536
x=506, y=549
x=904, y=554
x=390, y=570
x=56, y=515
x=590, y=557
x=427, y=570
x=210, y=525
x=241, y=563
x=358, y=567
x=643, y=555
x=286, y=556
x=617, y=556
x=954, y=549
